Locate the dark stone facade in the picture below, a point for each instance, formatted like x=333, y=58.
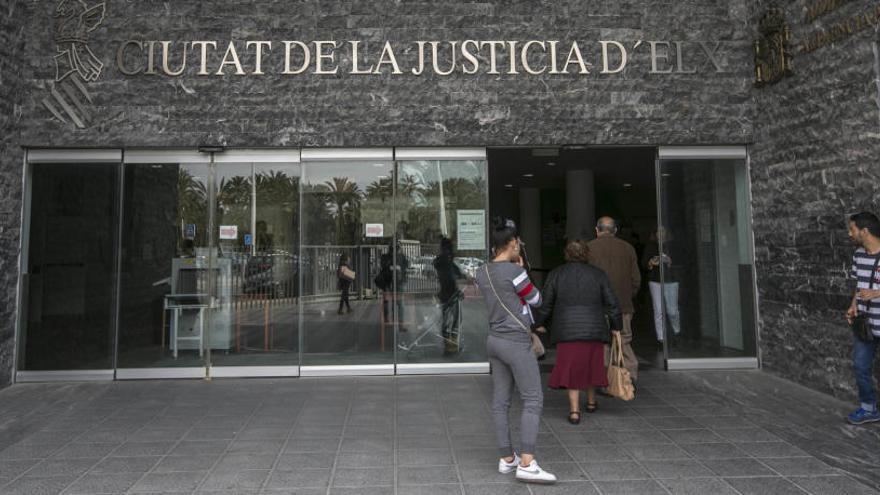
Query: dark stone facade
x=814, y=161
x=633, y=107
x=12, y=41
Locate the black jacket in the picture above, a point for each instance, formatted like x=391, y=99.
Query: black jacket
x=577, y=299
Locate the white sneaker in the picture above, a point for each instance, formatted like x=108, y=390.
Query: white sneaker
x=534, y=474
x=505, y=467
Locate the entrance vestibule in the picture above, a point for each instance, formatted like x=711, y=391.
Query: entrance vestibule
x=701, y=304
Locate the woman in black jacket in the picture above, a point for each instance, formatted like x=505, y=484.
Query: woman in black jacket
x=578, y=305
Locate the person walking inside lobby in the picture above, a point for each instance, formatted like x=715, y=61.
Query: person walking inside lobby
x=577, y=300
x=864, y=312
x=665, y=288
x=617, y=258
x=509, y=296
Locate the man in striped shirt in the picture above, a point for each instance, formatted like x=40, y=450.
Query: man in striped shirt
x=864, y=230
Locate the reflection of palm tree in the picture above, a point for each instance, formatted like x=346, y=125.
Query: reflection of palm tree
x=234, y=201
x=275, y=188
x=381, y=189
x=344, y=197
x=234, y=192
x=410, y=186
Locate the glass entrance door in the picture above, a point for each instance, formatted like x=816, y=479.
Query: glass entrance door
x=351, y=310
x=255, y=325
x=69, y=266
x=441, y=209
x=702, y=268
x=166, y=273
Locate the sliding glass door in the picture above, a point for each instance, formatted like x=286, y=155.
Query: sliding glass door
x=69, y=266
x=441, y=207
x=706, y=282
x=351, y=312
x=254, y=327
x=164, y=276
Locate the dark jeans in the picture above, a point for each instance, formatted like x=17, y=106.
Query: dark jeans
x=863, y=364
x=389, y=300
x=344, y=298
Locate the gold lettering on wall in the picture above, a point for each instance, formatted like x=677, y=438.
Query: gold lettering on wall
x=822, y=7
x=841, y=30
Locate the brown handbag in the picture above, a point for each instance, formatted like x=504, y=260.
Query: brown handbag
x=619, y=380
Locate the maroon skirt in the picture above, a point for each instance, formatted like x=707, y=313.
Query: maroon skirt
x=579, y=365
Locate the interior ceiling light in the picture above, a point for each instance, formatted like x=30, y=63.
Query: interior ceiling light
x=667, y=175
x=627, y=185
x=378, y=164
x=509, y=186
x=528, y=176
x=551, y=164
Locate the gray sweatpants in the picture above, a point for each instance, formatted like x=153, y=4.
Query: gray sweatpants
x=513, y=362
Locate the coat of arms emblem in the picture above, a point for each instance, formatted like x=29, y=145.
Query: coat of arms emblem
x=772, y=58
x=75, y=63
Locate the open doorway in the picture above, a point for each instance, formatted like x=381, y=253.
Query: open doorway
x=555, y=194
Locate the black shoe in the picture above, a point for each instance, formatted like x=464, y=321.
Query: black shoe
x=574, y=417
x=659, y=345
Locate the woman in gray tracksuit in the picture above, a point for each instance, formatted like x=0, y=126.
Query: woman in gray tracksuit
x=509, y=295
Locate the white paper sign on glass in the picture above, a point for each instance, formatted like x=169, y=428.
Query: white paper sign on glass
x=471, y=230
x=228, y=232
x=375, y=230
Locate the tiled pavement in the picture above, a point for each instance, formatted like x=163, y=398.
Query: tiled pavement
x=709, y=432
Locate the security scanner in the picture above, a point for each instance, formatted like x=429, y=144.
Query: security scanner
x=189, y=300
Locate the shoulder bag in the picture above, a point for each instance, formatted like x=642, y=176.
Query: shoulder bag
x=537, y=346
x=861, y=326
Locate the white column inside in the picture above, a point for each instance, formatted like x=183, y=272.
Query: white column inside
x=580, y=199
x=530, y=223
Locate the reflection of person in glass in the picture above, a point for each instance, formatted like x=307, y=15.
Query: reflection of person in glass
x=343, y=275
x=263, y=239
x=667, y=287
x=448, y=274
x=392, y=281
